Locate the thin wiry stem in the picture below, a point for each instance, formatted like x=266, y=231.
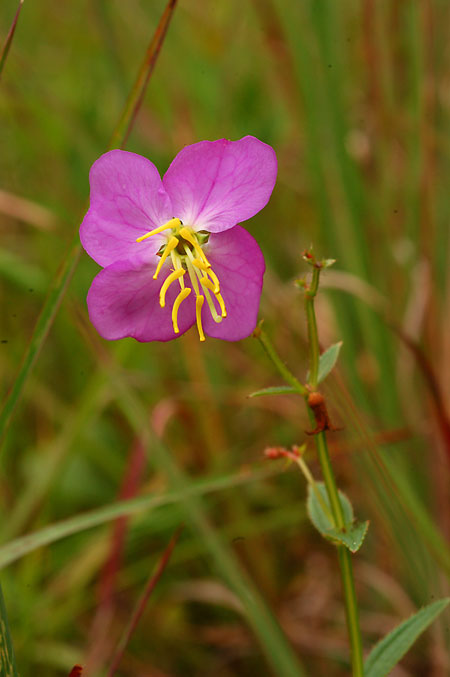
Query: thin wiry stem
x=142, y=603
x=9, y=38
x=64, y=275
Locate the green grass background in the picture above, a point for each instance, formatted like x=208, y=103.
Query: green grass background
x=355, y=98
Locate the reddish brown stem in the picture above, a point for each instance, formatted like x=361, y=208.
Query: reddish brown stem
x=9, y=38
x=142, y=603
x=433, y=386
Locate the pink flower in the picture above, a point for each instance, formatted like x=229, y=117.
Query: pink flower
x=171, y=250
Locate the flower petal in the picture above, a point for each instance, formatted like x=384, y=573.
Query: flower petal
x=124, y=301
x=127, y=200
x=239, y=264
x=214, y=185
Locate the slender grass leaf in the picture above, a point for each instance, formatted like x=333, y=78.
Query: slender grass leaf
x=9, y=38
x=7, y=659
x=391, y=649
x=258, y=615
x=67, y=268
x=274, y=390
x=19, y=547
x=142, y=603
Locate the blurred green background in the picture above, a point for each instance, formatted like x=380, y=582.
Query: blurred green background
x=355, y=99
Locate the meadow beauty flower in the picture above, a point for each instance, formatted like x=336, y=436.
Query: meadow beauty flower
x=171, y=250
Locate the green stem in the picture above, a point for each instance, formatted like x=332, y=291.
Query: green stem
x=345, y=562
x=279, y=364
x=351, y=610
x=329, y=479
x=313, y=338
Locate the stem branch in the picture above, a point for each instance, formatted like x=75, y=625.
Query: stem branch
x=279, y=364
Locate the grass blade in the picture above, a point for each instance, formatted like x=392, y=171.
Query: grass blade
x=62, y=279
x=142, y=603
x=19, y=547
x=126, y=122
x=271, y=638
x=9, y=38
x=7, y=660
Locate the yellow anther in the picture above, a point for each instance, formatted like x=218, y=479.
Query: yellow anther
x=173, y=242
x=167, y=282
x=222, y=305
x=215, y=279
x=187, y=235
x=206, y=282
x=173, y=223
x=198, y=315
x=201, y=264
x=184, y=293
x=190, y=237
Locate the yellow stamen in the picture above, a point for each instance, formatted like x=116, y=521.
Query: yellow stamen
x=215, y=279
x=190, y=237
x=198, y=314
x=173, y=223
x=167, y=282
x=173, y=242
x=192, y=275
x=177, y=265
x=206, y=282
x=206, y=266
x=222, y=305
x=201, y=264
x=184, y=293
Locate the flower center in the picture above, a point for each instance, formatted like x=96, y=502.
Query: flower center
x=184, y=246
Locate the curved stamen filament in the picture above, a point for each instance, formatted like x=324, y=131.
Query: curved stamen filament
x=173, y=242
x=215, y=279
x=167, y=282
x=197, y=274
x=223, y=310
x=177, y=265
x=184, y=293
x=198, y=316
x=206, y=267
x=173, y=223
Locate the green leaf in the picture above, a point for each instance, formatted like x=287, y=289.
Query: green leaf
x=327, y=263
x=319, y=511
x=321, y=520
x=327, y=361
x=389, y=651
x=274, y=390
x=353, y=536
